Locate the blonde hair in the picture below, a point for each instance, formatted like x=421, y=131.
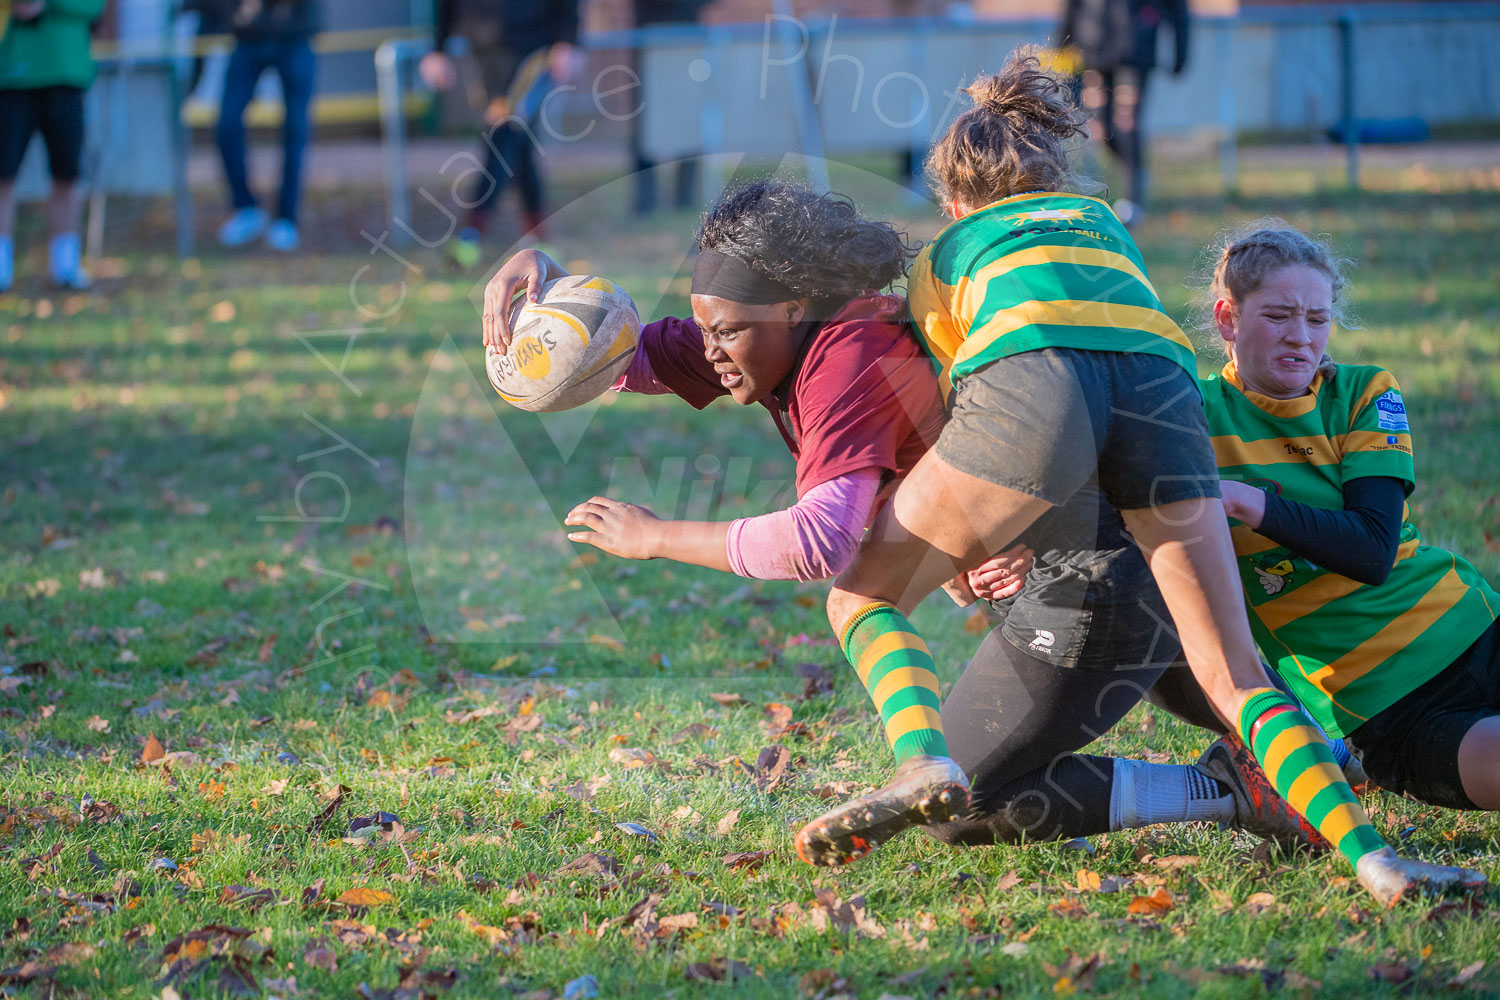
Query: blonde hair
x=1014, y=140
x=1244, y=258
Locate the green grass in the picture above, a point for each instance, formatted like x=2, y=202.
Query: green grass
x=151, y=429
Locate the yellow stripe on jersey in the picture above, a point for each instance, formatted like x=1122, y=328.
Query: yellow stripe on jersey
x=1231, y=450
x=1071, y=312
x=1311, y=597
x=1032, y=256
x=1395, y=637
x=1355, y=441
x=1249, y=542
x=1380, y=383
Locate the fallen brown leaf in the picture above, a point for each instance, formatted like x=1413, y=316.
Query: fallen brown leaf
x=727, y=822
x=770, y=767
x=1158, y=902
x=718, y=970
x=153, y=750
x=364, y=896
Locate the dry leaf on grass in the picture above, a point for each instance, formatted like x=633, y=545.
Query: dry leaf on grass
x=676, y=922
x=1158, y=902
x=1258, y=903
x=770, y=767
x=727, y=822
x=718, y=970
x=153, y=750
x=631, y=757
x=364, y=896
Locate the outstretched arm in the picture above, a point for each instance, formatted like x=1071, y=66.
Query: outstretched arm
x=813, y=539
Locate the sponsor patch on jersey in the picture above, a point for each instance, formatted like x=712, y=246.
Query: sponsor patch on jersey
x=1390, y=411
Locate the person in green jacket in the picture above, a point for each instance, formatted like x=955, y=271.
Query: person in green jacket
x=45, y=67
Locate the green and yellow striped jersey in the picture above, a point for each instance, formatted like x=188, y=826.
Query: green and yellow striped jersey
x=1033, y=271
x=1348, y=649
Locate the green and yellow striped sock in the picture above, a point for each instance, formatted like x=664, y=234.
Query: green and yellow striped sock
x=1295, y=757
x=893, y=663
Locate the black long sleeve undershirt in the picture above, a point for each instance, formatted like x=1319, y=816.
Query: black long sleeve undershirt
x=1358, y=542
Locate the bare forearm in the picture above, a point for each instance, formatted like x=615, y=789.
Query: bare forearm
x=702, y=543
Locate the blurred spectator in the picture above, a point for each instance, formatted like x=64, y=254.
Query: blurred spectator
x=1116, y=39
x=45, y=67
x=685, y=186
x=522, y=48
x=212, y=19
x=268, y=34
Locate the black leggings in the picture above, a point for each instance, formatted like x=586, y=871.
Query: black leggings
x=1014, y=723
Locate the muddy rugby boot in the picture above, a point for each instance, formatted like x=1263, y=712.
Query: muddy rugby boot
x=924, y=790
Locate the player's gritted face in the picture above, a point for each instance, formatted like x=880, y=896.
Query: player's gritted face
x=1279, y=333
x=753, y=348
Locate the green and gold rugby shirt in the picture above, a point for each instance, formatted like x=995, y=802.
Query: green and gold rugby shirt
x=1034, y=271
x=1348, y=649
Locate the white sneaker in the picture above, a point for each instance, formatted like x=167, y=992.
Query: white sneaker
x=283, y=236
x=243, y=226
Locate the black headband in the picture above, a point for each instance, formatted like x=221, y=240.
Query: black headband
x=726, y=277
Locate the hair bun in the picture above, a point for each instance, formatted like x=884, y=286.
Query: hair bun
x=1024, y=91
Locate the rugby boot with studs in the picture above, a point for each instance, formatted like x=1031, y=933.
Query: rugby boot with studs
x=925, y=789
x=1258, y=807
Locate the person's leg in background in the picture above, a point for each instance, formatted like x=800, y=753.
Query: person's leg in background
x=522, y=144
x=297, y=66
x=645, y=168
x=1129, y=105
x=248, y=220
x=62, y=129
x=17, y=122
x=497, y=66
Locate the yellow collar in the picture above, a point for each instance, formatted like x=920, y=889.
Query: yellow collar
x=1295, y=407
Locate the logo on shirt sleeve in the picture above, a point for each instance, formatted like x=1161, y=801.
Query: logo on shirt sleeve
x=1390, y=411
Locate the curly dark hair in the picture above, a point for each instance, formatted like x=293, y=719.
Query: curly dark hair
x=815, y=244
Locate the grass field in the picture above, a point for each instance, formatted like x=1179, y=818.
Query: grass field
x=263, y=521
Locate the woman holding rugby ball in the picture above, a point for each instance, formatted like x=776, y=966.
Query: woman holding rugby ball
x=786, y=314
x=1384, y=639
x=1067, y=376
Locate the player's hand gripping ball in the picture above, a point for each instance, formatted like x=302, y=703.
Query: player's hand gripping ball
x=567, y=348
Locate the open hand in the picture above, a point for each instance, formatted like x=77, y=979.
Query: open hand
x=621, y=529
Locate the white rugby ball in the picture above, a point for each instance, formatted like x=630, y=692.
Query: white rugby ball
x=568, y=348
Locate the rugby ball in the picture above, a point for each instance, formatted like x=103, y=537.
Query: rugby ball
x=568, y=348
